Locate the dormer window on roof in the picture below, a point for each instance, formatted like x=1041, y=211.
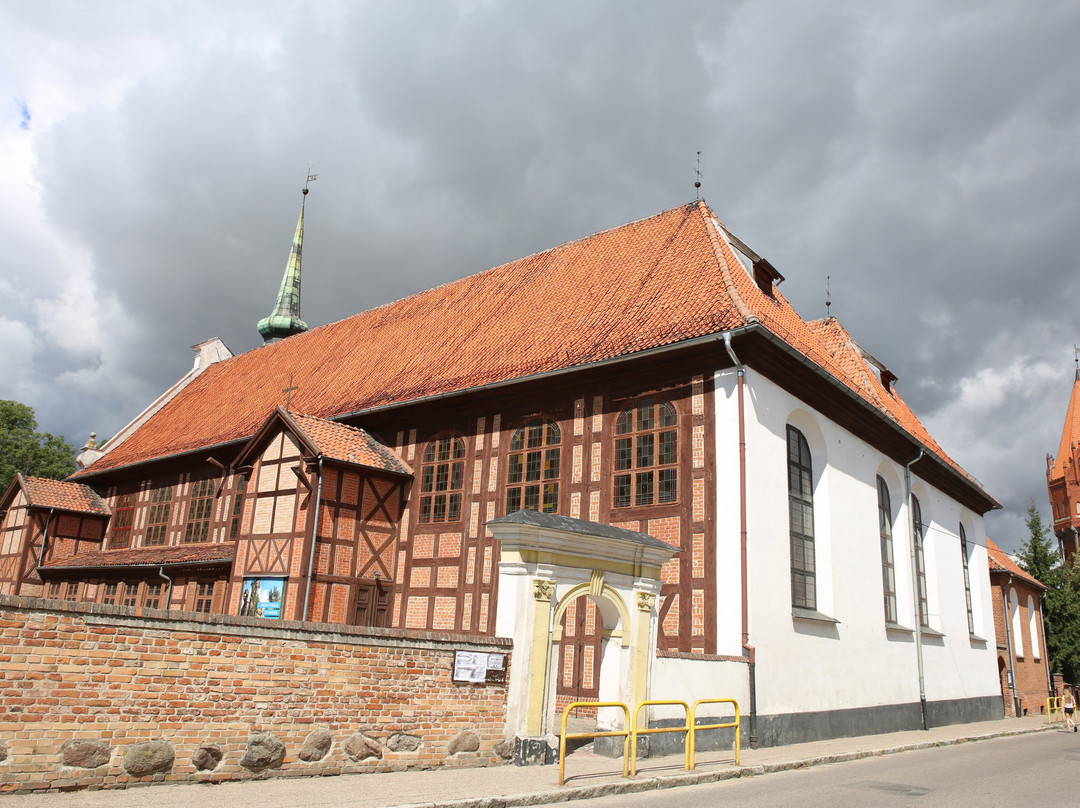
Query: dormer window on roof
x=765, y=275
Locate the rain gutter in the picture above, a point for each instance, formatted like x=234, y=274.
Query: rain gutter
x=748, y=650
x=915, y=585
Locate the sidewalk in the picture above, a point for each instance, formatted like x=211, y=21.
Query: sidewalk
x=587, y=775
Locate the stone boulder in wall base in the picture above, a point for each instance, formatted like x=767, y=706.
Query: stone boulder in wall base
x=206, y=757
x=263, y=752
x=316, y=745
x=403, y=743
x=464, y=741
x=151, y=757
x=360, y=747
x=84, y=754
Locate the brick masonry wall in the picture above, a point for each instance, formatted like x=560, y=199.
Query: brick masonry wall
x=1032, y=686
x=91, y=693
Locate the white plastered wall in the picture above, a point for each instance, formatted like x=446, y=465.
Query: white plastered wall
x=806, y=665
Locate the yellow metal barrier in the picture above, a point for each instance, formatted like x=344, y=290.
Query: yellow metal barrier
x=625, y=733
x=634, y=732
x=631, y=732
x=1054, y=707
x=694, y=728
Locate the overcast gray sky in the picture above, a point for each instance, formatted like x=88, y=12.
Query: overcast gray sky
x=924, y=155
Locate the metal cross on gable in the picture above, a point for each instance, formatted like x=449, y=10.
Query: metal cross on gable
x=288, y=391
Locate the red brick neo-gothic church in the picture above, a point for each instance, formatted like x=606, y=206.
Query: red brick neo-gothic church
x=1063, y=478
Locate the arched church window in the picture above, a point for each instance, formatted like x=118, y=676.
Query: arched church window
x=646, y=455
x=442, y=478
x=801, y=521
x=123, y=516
x=888, y=562
x=533, y=468
x=920, y=561
x=967, y=579
x=157, y=520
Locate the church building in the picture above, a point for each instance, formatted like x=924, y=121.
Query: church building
x=627, y=453
x=1063, y=478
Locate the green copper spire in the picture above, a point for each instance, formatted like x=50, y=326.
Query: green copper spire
x=284, y=320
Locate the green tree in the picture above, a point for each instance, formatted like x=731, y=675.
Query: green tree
x=24, y=449
x=1039, y=557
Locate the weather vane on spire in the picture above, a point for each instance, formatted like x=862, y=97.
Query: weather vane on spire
x=697, y=178
x=828, y=298
x=310, y=178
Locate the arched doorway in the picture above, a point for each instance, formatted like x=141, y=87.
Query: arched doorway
x=597, y=585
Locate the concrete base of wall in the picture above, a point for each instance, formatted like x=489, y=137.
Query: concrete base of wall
x=790, y=728
x=780, y=730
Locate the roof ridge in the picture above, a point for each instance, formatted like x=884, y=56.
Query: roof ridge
x=488, y=270
x=718, y=244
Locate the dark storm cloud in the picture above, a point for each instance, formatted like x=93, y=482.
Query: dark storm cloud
x=922, y=155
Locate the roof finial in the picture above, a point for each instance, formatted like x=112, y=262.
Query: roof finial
x=284, y=320
x=697, y=180
x=1076, y=359
x=828, y=298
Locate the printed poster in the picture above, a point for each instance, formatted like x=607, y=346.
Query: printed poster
x=262, y=597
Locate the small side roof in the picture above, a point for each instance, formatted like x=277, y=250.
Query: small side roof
x=1000, y=562
x=332, y=440
x=185, y=555
x=61, y=495
x=581, y=527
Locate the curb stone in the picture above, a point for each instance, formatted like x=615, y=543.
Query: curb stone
x=637, y=786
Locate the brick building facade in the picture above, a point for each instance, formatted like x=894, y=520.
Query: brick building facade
x=1018, y=626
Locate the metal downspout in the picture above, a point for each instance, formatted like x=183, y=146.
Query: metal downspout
x=748, y=649
x=168, y=595
x=1009, y=642
x=314, y=538
x=915, y=587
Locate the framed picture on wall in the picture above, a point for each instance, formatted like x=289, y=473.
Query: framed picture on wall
x=262, y=597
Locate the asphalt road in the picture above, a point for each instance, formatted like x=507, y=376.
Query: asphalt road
x=1026, y=771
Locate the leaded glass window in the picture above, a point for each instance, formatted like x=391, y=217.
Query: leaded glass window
x=534, y=467
x=646, y=455
x=442, y=478
x=801, y=521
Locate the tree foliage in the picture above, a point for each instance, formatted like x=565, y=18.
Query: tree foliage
x=25, y=450
x=1039, y=557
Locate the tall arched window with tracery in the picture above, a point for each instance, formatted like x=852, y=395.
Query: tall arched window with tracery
x=646, y=455
x=442, y=478
x=967, y=579
x=888, y=562
x=920, y=562
x=533, y=468
x=801, y=521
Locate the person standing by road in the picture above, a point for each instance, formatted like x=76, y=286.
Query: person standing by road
x=1069, y=704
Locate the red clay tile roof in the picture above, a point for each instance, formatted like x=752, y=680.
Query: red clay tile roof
x=650, y=283
x=859, y=375
x=1070, y=433
x=999, y=562
x=63, y=496
x=148, y=556
x=350, y=444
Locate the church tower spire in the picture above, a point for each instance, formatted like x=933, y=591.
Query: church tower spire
x=1063, y=477
x=284, y=320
